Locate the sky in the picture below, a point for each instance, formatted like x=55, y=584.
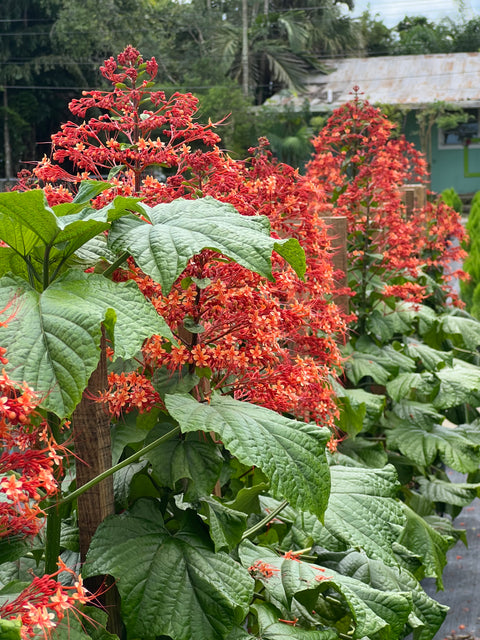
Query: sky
x=392, y=11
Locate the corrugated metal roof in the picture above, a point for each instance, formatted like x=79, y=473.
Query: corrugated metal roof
x=412, y=81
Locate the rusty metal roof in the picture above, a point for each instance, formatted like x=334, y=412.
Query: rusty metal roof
x=412, y=81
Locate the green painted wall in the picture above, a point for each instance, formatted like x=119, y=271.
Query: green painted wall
x=447, y=164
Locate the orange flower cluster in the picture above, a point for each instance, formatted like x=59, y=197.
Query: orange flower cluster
x=45, y=603
x=129, y=391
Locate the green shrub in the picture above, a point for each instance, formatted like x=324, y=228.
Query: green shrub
x=451, y=197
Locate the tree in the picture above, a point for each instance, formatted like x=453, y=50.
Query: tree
x=377, y=38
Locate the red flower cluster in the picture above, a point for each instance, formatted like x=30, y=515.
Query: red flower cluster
x=260, y=569
x=27, y=463
x=362, y=169
x=45, y=602
x=273, y=344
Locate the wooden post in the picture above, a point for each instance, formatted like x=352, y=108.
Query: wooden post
x=414, y=196
x=91, y=436
x=91, y=433
x=337, y=232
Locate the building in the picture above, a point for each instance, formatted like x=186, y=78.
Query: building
x=412, y=83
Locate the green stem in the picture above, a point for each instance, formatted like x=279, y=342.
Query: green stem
x=46, y=260
x=52, y=544
x=263, y=523
x=116, y=264
x=117, y=467
x=32, y=274
x=54, y=520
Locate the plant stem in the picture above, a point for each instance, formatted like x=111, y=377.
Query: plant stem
x=54, y=520
x=46, y=258
x=116, y=264
x=259, y=526
x=52, y=544
x=120, y=465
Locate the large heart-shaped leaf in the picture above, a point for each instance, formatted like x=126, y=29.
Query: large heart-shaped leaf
x=456, y=384
x=362, y=512
x=182, y=228
x=54, y=338
x=290, y=453
x=170, y=584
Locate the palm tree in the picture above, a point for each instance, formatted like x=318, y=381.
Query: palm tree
x=277, y=47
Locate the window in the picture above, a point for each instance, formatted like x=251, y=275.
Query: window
x=456, y=138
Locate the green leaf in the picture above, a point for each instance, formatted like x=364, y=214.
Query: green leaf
x=10, y=629
x=26, y=220
x=364, y=451
x=182, y=228
x=363, y=510
x=360, y=365
x=94, y=250
x=431, y=359
x=351, y=417
x=272, y=629
x=180, y=381
x=226, y=525
x=90, y=189
x=460, y=494
x=423, y=444
x=456, y=385
x=429, y=544
x=122, y=481
x=387, y=356
x=194, y=458
x=421, y=414
x=247, y=500
x=160, y=574
x=410, y=385
x=13, y=548
x=11, y=262
x=466, y=328
x=128, y=431
x=376, y=614
x=363, y=401
x=54, y=338
x=290, y=453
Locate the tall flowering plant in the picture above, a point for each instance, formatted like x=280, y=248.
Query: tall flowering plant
x=252, y=333
x=363, y=168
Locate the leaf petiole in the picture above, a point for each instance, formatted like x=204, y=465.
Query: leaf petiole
x=94, y=481
x=263, y=523
x=109, y=270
